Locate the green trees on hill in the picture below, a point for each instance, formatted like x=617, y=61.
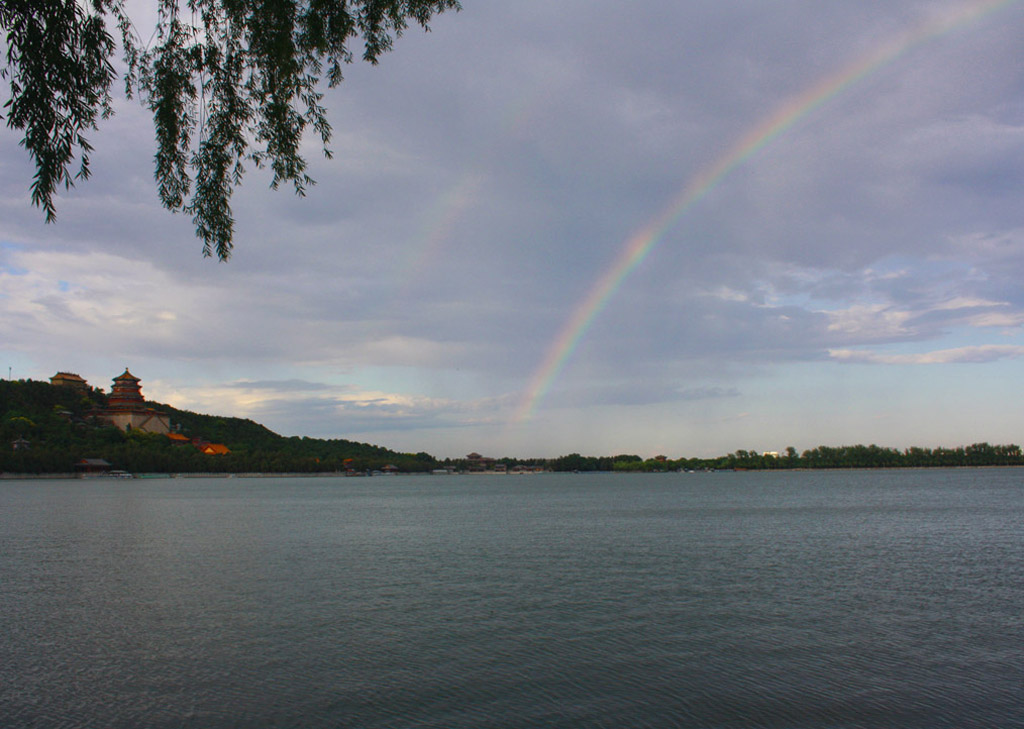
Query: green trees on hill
x=55, y=427
x=48, y=429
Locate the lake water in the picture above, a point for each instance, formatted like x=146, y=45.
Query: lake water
x=806, y=599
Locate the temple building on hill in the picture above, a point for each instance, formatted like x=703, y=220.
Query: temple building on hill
x=69, y=379
x=126, y=407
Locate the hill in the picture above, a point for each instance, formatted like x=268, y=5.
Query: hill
x=56, y=426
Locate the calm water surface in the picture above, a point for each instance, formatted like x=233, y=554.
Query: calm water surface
x=846, y=599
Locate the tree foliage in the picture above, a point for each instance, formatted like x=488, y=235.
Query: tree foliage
x=61, y=427
x=228, y=82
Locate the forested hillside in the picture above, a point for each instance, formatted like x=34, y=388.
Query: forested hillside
x=56, y=427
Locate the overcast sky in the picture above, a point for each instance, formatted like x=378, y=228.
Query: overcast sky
x=851, y=274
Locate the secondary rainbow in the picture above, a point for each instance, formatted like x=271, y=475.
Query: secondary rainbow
x=643, y=241
x=454, y=203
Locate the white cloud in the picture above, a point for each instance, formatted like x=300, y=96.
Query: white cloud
x=959, y=355
x=1008, y=320
x=870, y=322
x=966, y=302
x=318, y=408
x=487, y=174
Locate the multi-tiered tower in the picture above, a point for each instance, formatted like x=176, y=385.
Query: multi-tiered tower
x=126, y=393
x=126, y=407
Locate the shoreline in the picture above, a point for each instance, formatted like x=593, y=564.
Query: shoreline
x=341, y=474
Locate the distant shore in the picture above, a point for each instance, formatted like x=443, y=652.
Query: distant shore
x=341, y=474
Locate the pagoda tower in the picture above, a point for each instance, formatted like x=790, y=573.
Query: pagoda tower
x=126, y=407
x=127, y=393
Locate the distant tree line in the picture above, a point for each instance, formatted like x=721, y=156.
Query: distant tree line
x=55, y=427
x=856, y=456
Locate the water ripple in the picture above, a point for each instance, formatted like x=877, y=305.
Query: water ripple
x=795, y=601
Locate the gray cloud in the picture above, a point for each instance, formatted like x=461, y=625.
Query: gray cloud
x=487, y=175
x=280, y=385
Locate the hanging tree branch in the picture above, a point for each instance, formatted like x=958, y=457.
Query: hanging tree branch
x=236, y=81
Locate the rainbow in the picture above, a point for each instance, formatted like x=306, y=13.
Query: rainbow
x=453, y=204
x=448, y=211
x=643, y=241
